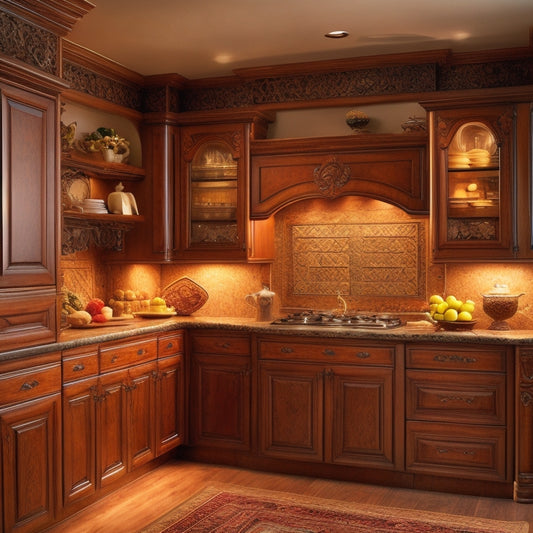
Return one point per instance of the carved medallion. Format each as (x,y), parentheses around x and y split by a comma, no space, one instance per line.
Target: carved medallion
(331,177)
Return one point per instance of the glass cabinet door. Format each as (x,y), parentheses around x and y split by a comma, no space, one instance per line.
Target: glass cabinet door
(473,198)
(473,201)
(213,196)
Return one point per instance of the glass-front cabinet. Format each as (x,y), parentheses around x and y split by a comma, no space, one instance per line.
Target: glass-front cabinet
(473,183)
(214,206)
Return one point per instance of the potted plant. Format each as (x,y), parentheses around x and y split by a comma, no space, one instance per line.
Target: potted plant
(114,149)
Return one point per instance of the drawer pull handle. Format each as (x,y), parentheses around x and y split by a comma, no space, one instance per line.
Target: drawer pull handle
(454,358)
(328,351)
(170,345)
(362,355)
(29,385)
(140,351)
(78,367)
(464,399)
(114,359)
(287,349)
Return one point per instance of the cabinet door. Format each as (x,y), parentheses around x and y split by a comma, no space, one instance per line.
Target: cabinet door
(220,401)
(359,416)
(291,406)
(31,463)
(79,440)
(215,163)
(169,404)
(28,188)
(111,433)
(473,183)
(140,396)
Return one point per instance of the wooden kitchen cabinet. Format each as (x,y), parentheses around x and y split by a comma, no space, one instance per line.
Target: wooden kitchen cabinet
(329,402)
(30,428)
(28,236)
(475,182)
(123,406)
(460,411)
(220,394)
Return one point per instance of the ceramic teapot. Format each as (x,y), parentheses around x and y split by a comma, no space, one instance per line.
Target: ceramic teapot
(263,301)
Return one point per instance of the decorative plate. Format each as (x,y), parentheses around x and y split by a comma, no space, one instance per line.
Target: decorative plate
(185,295)
(459,325)
(148,314)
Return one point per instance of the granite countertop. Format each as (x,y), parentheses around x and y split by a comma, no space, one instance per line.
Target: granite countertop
(417,332)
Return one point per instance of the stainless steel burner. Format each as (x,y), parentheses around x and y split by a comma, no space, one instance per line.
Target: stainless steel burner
(317,318)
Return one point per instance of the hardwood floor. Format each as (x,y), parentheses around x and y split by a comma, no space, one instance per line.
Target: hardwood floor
(136,505)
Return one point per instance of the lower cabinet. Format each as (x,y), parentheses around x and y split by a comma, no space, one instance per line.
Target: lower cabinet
(123,405)
(30,429)
(329,402)
(220,396)
(460,411)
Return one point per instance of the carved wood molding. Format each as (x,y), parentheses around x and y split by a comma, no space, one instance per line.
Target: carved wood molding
(331,176)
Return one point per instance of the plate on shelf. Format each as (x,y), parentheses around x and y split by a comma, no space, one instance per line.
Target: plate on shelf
(185,295)
(458,325)
(153,314)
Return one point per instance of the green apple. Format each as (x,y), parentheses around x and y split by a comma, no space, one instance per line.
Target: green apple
(464,316)
(450,315)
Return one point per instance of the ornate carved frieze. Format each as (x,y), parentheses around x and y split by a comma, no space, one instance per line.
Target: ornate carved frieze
(79,235)
(331,176)
(485,75)
(95,84)
(28,43)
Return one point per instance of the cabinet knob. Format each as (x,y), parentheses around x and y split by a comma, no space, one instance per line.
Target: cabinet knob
(286,349)
(329,352)
(362,355)
(78,368)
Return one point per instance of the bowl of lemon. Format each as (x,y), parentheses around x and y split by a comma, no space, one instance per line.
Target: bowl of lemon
(451,314)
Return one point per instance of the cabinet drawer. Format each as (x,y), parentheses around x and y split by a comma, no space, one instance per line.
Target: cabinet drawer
(327,351)
(80,363)
(458,451)
(221,344)
(456,358)
(169,344)
(456,397)
(119,355)
(29,383)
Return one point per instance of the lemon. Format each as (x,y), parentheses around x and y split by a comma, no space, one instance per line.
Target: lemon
(453,302)
(464,316)
(450,315)
(438,316)
(468,306)
(436,299)
(441,309)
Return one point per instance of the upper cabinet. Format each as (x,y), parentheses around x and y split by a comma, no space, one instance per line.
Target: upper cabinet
(474,162)
(214,178)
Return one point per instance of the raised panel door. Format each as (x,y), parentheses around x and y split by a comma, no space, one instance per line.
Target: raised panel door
(79,440)
(291,407)
(220,401)
(359,416)
(31,463)
(28,188)
(169,404)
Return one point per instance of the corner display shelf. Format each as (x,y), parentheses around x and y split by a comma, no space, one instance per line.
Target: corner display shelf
(80,230)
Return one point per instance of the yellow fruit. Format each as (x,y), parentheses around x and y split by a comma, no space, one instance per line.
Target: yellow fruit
(468,307)
(442,307)
(450,315)
(453,302)
(464,316)
(436,299)
(433,308)
(438,316)
(157,301)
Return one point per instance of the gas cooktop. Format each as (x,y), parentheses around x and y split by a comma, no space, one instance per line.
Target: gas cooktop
(322,318)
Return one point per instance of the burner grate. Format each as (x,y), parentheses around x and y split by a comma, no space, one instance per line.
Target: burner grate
(315,318)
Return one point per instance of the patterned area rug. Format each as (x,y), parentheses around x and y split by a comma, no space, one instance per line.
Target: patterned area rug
(241,510)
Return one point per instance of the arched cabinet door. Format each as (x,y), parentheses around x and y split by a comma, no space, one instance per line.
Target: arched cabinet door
(474,194)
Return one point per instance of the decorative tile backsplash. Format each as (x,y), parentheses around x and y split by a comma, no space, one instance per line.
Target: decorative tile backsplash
(372,253)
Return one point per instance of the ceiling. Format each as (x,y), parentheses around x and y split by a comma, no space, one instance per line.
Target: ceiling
(210,38)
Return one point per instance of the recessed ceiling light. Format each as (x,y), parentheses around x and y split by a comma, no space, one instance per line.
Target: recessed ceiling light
(337,34)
